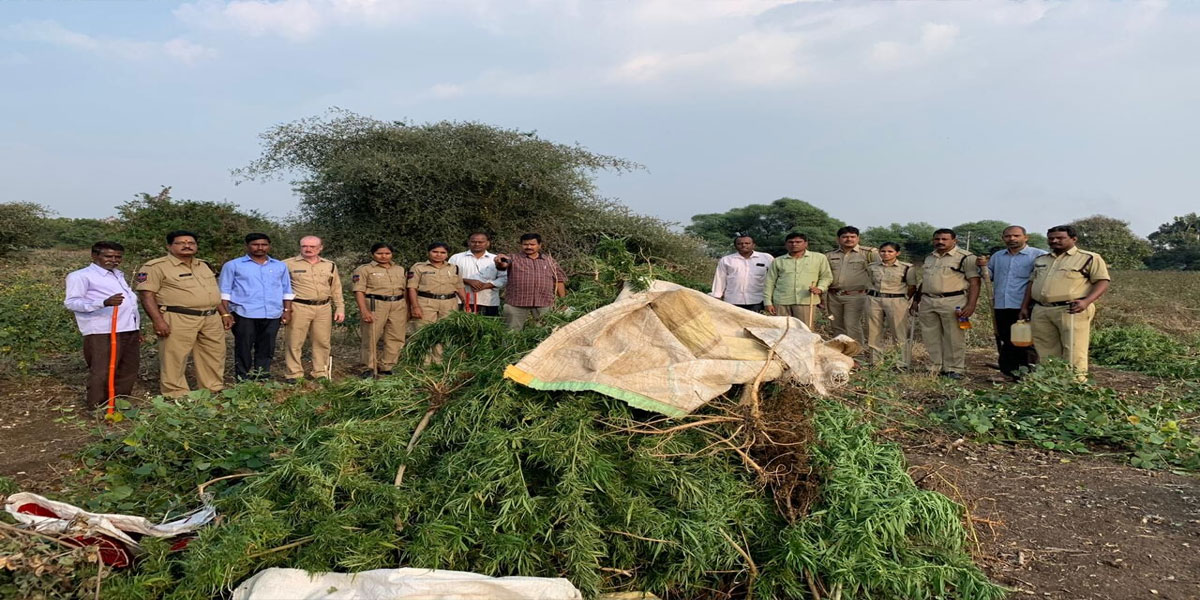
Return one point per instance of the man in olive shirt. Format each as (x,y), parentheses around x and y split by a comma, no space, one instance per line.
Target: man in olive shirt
(796,280)
(1061,294)
(949,290)
(848,292)
(181,297)
(316,284)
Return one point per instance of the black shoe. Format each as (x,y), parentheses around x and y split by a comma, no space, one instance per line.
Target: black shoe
(367,375)
(289,380)
(385,372)
(953,375)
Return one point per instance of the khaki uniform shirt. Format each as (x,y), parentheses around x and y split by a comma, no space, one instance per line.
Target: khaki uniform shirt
(892,279)
(442,280)
(1068,276)
(372,278)
(176,283)
(850,269)
(949,272)
(318,281)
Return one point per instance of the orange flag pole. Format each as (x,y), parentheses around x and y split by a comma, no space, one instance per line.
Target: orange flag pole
(112,365)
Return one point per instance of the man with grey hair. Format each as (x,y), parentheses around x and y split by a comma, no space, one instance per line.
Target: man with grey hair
(316,284)
(1010,270)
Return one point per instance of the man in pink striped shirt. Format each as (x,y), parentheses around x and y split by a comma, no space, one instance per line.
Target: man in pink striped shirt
(93,293)
(534,280)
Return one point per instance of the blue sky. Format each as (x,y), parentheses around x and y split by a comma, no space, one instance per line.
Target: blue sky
(1035,113)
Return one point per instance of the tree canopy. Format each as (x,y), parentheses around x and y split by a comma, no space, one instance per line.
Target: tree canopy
(221,227)
(768,224)
(19,224)
(363,181)
(1176,244)
(1113,240)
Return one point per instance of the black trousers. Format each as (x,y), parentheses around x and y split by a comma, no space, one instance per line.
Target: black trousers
(253,346)
(96,354)
(751,307)
(1011,357)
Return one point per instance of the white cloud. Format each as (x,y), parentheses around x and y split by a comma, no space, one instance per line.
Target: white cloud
(51,32)
(291,19)
(936,39)
(756,59)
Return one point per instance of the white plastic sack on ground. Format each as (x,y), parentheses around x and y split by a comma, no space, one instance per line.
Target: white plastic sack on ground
(400,584)
(73,520)
(670,349)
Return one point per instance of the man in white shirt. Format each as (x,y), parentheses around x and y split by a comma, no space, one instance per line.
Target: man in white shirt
(741,276)
(93,293)
(483,281)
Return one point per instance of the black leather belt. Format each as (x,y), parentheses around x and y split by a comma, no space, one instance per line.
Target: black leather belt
(384,298)
(311,302)
(1053,304)
(882,295)
(434,296)
(946,295)
(838,292)
(189,311)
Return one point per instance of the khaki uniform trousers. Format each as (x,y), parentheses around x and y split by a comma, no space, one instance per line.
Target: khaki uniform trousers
(848,313)
(314,320)
(883,314)
(391,322)
(945,342)
(1059,333)
(204,339)
(434,310)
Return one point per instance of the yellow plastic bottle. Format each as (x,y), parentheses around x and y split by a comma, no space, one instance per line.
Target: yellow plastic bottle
(1021,334)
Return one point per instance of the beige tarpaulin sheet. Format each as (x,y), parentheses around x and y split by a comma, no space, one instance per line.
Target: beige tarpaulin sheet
(670,349)
(400,584)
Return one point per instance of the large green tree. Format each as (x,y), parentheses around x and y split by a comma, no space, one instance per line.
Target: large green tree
(768,224)
(221,227)
(1176,244)
(363,181)
(19,225)
(915,239)
(1113,240)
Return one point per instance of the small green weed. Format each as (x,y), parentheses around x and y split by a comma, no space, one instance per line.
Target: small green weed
(1049,408)
(33,322)
(1147,350)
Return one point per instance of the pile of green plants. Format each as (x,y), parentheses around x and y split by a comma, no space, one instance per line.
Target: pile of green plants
(1147,350)
(450,466)
(1051,409)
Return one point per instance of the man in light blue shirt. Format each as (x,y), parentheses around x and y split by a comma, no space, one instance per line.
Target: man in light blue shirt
(1009,271)
(257,289)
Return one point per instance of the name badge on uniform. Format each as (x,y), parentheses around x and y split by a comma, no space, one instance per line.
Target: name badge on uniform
(185,274)
(300,271)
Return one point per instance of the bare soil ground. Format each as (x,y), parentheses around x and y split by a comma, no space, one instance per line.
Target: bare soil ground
(1048,525)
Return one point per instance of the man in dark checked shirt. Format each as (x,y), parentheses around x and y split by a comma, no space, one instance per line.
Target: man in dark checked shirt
(534,279)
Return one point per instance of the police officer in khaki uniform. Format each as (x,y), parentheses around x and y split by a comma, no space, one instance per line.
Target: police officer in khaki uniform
(316,283)
(435,287)
(379,292)
(893,282)
(181,297)
(851,279)
(1061,295)
(949,290)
